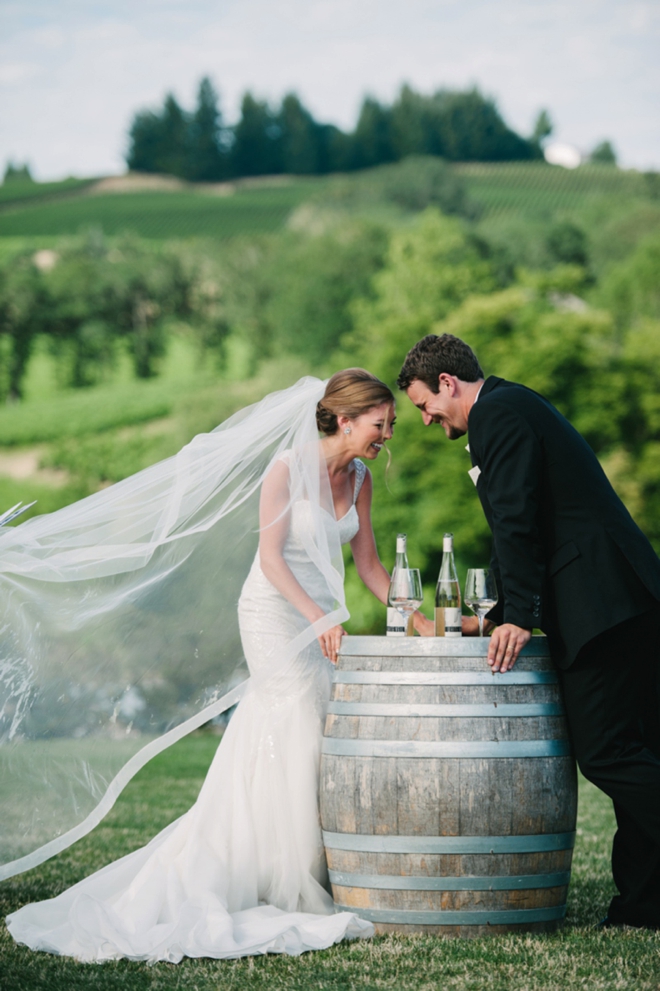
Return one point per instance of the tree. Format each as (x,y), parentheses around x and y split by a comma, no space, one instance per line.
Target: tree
(207,159)
(409,131)
(543,128)
(631,289)
(24,313)
(257,140)
(298,138)
(568,244)
(20,172)
(317,280)
(603,154)
(469,128)
(173,152)
(158,141)
(372,138)
(461,126)
(82,334)
(420,181)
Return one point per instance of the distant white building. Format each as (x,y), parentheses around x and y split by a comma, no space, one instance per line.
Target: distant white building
(567,156)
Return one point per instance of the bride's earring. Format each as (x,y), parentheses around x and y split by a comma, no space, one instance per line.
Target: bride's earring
(347,430)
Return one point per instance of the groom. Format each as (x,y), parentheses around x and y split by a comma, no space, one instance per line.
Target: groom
(569,560)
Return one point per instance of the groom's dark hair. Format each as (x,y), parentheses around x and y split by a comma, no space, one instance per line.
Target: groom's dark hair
(433,355)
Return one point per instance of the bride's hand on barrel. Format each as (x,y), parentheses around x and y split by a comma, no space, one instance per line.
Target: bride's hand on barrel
(505,644)
(330,642)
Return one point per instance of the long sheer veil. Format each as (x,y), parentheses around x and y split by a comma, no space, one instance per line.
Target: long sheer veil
(118,618)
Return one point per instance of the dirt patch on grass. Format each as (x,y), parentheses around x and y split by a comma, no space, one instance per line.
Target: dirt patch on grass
(25,465)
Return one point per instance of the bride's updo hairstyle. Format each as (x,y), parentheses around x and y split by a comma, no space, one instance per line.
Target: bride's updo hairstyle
(350,393)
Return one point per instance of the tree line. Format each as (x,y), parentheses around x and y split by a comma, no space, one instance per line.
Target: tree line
(198,146)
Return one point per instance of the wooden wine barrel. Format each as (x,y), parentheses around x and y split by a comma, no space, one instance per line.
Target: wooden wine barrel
(448,794)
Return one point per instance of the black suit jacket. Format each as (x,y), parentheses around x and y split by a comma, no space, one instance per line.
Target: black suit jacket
(568,556)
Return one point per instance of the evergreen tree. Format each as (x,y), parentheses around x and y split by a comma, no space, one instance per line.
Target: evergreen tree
(459,126)
(207,159)
(15,171)
(335,149)
(173,153)
(158,141)
(298,138)
(470,128)
(542,128)
(145,140)
(257,140)
(408,126)
(372,140)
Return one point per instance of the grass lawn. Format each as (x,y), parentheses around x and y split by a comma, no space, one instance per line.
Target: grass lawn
(577,957)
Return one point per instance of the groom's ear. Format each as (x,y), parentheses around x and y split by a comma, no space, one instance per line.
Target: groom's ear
(449,381)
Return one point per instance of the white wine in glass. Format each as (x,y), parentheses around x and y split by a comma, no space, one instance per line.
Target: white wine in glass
(480,593)
(405,592)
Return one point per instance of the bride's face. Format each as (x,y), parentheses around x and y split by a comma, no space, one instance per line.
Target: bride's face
(370,431)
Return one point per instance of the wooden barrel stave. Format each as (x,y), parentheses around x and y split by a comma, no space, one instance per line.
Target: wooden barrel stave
(483,795)
(429,728)
(450,865)
(443,797)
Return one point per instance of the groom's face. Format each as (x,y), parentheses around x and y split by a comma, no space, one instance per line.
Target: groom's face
(438,407)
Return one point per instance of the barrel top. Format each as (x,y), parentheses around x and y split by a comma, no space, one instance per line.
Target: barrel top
(431,647)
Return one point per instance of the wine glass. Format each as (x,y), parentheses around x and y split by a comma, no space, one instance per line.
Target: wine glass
(480,593)
(405,592)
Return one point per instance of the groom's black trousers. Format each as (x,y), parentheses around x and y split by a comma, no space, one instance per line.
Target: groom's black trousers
(612,698)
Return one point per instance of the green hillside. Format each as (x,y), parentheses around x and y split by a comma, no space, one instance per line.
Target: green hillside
(21,191)
(180,213)
(533,190)
(538,190)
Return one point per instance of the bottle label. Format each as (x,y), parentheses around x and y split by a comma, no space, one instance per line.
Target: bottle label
(396,626)
(448,622)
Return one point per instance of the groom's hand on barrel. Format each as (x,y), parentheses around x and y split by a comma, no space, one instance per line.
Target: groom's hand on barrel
(424,626)
(506,642)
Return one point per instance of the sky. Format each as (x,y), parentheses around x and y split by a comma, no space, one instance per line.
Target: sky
(73,72)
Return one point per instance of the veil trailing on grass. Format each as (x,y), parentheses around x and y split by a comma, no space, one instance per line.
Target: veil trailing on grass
(118,618)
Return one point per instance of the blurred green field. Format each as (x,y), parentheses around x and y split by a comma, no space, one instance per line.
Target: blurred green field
(532,189)
(23,190)
(162,214)
(538,190)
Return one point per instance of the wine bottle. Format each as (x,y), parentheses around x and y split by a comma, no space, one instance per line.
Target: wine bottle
(448,594)
(396,624)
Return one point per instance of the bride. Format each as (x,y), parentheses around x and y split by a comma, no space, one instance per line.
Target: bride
(243,871)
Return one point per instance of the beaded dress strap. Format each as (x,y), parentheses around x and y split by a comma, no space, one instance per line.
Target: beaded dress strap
(360,472)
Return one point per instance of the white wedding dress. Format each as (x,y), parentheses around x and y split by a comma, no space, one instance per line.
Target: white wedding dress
(243,871)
